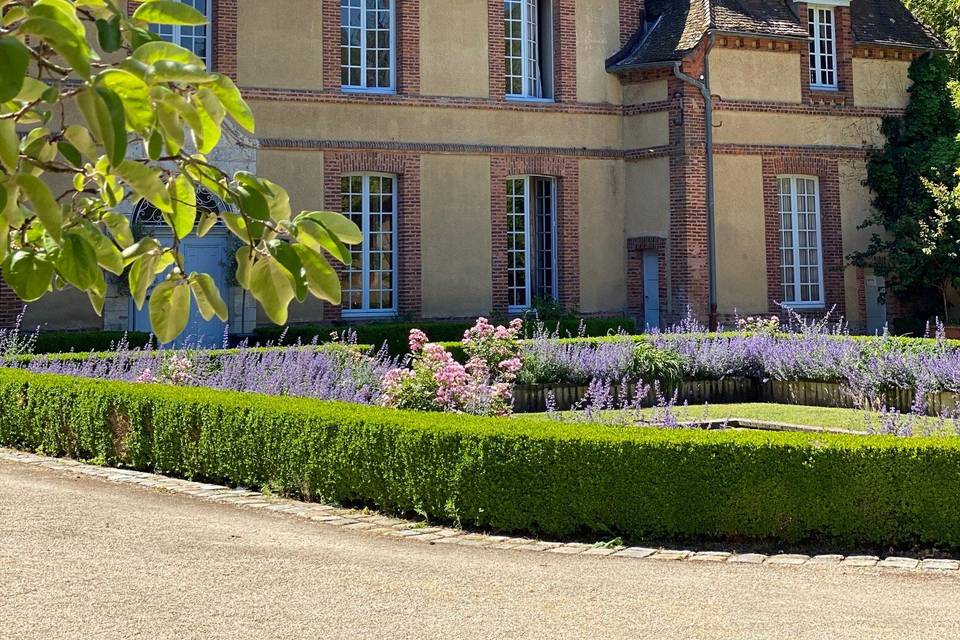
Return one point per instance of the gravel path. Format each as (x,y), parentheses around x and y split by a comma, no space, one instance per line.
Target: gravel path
(81,558)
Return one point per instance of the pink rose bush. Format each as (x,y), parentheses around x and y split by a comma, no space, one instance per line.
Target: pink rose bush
(436,382)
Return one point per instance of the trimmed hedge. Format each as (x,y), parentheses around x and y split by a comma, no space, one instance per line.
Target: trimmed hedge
(395,334)
(86,341)
(517,475)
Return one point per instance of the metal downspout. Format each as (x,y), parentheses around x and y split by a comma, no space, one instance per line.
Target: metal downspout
(704,87)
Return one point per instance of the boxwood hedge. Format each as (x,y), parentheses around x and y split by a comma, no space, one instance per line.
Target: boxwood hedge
(518,475)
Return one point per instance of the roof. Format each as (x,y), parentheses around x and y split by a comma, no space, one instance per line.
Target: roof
(675,27)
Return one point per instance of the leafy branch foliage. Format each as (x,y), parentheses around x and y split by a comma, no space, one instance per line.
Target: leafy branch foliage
(136,123)
(914,180)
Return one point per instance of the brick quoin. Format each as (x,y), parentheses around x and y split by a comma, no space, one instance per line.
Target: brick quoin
(564,50)
(407,46)
(406,167)
(224,37)
(688,255)
(789,162)
(10,307)
(566,171)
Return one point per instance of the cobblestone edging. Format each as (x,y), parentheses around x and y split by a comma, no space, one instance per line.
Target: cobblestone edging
(375,524)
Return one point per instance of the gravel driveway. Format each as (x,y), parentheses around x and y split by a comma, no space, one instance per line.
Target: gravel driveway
(80,558)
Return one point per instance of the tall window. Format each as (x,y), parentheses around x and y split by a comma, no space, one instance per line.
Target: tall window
(823,48)
(528,47)
(369,283)
(195,39)
(367,45)
(800,247)
(531,240)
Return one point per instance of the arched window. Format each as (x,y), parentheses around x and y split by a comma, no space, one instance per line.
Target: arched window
(207,202)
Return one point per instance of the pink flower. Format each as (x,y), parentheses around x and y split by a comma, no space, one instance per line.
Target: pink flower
(417,339)
(513,365)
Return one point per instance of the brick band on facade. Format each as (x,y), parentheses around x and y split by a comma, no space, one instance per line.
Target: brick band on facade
(406,168)
(566,171)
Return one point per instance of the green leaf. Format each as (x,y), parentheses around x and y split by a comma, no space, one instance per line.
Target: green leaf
(286,256)
(119,226)
(118,121)
(103,112)
(318,238)
(338,225)
(169,12)
(278,200)
(172,71)
(108,256)
(63,40)
(146,182)
(77,263)
(70,153)
(171,126)
(253,203)
(108,34)
(44,204)
(28,275)
(207,222)
(80,138)
(272,285)
(14,60)
(244,265)
(155,51)
(321,278)
(169,309)
(32,90)
(9,145)
(232,100)
(134,94)
(183,200)
(141,276)
(155,145)
(208,297)
(210,128)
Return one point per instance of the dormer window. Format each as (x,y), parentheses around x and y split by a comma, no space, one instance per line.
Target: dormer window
(823,47)
(528,48)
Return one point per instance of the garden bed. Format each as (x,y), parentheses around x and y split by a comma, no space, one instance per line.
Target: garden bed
(514,475)
(563,397)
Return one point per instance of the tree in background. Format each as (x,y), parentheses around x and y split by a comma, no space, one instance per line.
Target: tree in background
(146,120)
(914,179)
(943,16)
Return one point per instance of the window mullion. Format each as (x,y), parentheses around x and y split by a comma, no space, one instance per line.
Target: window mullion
(365,259)
(529,224)
(524,48)
(795,224)
(363,47)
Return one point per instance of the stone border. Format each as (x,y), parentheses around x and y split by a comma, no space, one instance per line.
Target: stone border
(384,526)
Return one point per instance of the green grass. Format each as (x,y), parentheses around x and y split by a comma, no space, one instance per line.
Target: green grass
(823,417)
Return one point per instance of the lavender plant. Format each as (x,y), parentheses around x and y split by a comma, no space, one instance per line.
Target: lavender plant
(333,372)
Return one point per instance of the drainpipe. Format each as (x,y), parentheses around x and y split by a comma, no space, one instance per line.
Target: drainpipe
(703,86)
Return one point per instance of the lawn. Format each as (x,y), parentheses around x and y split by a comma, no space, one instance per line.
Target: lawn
(824,417)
